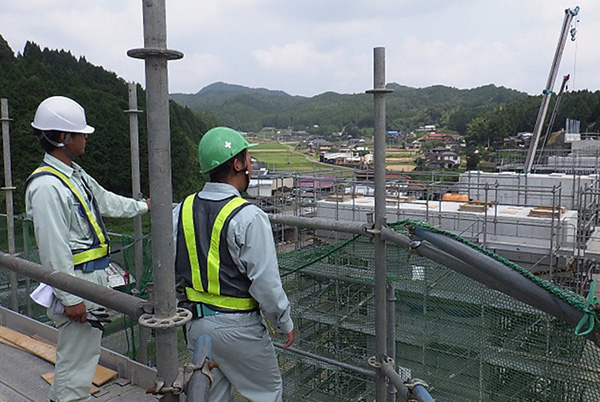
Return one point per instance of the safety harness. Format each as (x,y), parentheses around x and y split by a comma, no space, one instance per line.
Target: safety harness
(96,256)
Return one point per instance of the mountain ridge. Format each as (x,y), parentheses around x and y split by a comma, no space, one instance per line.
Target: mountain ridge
(250,109)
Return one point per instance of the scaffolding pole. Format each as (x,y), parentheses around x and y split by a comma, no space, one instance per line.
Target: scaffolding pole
(379,91)
(8,188)
(156,55)
(111,298)
(136,190)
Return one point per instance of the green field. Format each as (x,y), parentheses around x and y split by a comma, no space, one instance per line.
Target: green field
(281,157)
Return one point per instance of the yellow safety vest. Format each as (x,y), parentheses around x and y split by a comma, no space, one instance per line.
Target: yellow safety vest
(100,247)
(209,290)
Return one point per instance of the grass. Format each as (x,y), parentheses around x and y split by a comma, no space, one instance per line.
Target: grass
(280,157)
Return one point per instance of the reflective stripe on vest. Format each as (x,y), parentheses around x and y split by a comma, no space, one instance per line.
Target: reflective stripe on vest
(211,295)
(99,251)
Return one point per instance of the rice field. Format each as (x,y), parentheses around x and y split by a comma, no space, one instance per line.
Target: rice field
(283,157)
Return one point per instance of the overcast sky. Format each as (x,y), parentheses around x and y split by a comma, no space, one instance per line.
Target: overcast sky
(307,47)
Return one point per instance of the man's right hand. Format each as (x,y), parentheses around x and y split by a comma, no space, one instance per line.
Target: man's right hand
(76,312)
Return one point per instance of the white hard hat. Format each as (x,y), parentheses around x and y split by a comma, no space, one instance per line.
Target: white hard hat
(59,113)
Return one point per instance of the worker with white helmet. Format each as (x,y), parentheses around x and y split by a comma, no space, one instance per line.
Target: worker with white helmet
(66,206)
(226,259)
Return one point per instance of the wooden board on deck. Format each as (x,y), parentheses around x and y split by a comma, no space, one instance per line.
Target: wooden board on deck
(48,352)
(49,378)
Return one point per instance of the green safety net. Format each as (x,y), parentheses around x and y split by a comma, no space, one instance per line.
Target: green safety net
(468,342)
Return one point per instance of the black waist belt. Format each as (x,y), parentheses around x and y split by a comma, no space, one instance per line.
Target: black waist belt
(94,265)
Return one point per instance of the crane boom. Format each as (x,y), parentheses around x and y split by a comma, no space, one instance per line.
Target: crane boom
(547,92)
(554,112)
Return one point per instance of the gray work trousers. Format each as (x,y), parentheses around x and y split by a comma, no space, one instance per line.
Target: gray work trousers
(77,354)
(245,354)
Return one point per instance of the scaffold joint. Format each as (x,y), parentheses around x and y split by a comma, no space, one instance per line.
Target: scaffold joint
(160,388)
(373,362)
(181,317)
(206,368)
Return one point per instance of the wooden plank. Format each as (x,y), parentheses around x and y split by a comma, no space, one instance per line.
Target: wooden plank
(9,343)
(103,375)
(38,348)
(49,378)
(48,352)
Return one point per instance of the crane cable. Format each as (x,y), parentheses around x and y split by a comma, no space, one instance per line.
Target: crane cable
(573,33)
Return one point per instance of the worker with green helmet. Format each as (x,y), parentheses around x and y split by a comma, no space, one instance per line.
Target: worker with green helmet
(227,266)
(66,206)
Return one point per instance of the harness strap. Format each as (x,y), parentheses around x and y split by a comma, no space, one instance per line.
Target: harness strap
(80,257)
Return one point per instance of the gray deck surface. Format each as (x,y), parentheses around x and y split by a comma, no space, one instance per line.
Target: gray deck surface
(20,380)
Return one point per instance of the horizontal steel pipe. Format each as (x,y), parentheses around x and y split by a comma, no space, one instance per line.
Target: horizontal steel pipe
(113,299)
(320,223)
(346,366)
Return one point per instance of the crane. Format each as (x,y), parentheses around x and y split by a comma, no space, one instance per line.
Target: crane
(563,87)
(547,92)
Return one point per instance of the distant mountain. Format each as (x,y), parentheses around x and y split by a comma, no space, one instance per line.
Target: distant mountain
(220,92)
(223,87)
(250,109)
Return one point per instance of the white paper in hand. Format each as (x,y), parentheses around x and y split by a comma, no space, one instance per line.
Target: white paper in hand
(43,295)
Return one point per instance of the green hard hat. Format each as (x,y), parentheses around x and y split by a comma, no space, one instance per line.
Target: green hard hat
(218,145)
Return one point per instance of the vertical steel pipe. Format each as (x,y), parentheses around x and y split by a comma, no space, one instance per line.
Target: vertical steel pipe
(379,91)
(25,255)
(156,55)
(391,334)
(136,190)
(8,188)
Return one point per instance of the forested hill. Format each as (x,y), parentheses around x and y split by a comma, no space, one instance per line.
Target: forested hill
(251,109)
(485,115)
(28,78)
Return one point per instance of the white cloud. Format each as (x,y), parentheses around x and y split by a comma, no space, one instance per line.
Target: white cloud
(198,71)
(310,47)
(297,56)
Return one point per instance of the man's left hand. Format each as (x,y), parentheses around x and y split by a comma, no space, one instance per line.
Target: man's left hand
(290,338)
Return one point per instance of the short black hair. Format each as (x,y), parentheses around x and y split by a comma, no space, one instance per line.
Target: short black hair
(221,172)
(53,135)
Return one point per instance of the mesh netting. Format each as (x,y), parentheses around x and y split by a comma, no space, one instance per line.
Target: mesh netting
(468,342)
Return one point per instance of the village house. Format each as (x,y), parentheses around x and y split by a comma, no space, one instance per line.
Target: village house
(442,158)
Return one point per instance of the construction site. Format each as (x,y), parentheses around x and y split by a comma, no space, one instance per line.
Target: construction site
(474,286)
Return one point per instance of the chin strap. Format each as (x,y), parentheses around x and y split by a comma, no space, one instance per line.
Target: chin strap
(57,144)
(60,144)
